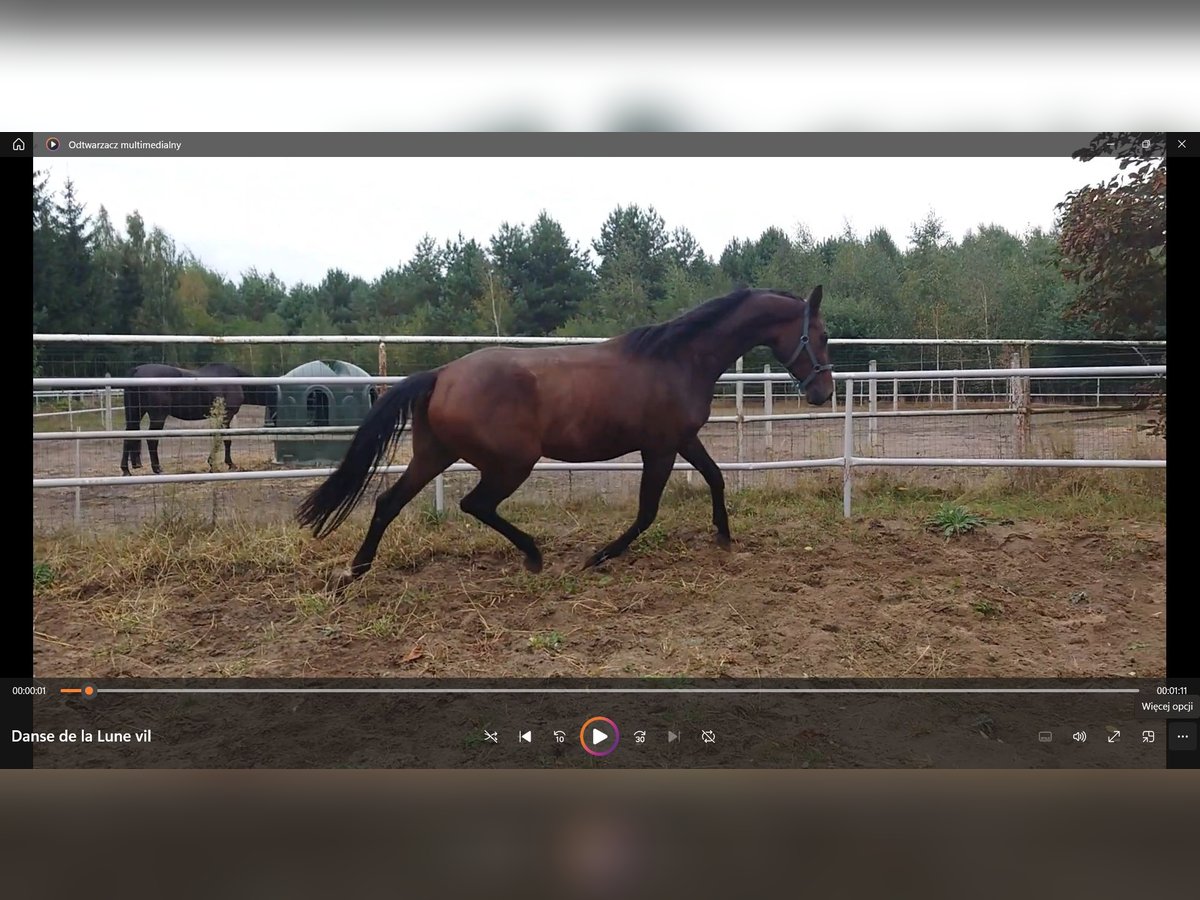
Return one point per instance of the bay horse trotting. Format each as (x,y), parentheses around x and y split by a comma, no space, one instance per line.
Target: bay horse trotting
(189,402)
(502,409)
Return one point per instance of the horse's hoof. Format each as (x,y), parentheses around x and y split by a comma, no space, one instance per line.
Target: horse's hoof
(724,541)
(595,559)
(157,470)
(341,580)
(125,472)
(533,564)
(231,467)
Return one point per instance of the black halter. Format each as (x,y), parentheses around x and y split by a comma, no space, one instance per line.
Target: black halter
(804,344)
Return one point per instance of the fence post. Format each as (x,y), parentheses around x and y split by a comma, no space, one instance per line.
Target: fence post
(873,406)
(108,420)
(1097,393)
(439,493)
(382,368)
(70,413)
(954,394)
(768,409)
(833,397)
(1019,393)
(78,491)
(895,394)
(738,393)
(848,449)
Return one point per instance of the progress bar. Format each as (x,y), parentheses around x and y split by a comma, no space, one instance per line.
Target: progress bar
(551,690)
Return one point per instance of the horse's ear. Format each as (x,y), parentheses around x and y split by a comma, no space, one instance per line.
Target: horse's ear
(814,299)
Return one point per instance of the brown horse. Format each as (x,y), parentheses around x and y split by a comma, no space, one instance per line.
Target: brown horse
(502,409)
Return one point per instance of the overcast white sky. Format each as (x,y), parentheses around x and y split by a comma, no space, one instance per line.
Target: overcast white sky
(301,217)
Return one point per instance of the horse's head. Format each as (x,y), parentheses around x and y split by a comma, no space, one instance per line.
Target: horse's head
(802,346)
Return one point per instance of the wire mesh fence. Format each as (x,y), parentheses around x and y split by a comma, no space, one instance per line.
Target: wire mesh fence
(1094,417)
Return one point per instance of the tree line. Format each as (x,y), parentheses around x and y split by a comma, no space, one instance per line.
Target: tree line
(95,276)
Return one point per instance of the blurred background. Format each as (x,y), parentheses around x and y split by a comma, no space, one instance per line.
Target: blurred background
(747,66)
(618,66)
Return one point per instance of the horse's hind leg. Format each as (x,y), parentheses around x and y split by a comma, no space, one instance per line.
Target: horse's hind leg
(429,460)
(131,453)
(155,425)
(656,469)
(495,486)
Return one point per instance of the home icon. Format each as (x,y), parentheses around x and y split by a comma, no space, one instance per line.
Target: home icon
(18,145)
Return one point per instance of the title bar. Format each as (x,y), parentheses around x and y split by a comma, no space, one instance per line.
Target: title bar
(560,144)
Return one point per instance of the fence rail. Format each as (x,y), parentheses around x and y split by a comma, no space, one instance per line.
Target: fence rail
(894,375)
(1018,378)
(49,338)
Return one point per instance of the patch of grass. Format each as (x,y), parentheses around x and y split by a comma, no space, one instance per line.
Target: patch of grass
(653,537)
(987,608)
(679,493)
(552,641)
(43,575)
(311,604)
(383,626)
(569,583)
(431,518)
(952,520)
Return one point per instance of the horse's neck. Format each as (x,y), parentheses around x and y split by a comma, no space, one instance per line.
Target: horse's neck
(750,326)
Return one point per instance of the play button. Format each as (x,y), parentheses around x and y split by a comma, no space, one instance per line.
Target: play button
(599,736)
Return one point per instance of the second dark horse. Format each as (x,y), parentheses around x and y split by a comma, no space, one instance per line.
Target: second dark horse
(189,402)
(502,409)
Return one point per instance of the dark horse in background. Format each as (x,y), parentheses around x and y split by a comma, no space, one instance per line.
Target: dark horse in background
(189,402)
(502,409)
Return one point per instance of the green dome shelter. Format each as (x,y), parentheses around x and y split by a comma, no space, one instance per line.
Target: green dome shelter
(319,404)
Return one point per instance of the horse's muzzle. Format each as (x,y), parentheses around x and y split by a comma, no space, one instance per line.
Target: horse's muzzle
(818,398)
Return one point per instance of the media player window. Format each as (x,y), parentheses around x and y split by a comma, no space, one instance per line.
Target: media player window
(599,450)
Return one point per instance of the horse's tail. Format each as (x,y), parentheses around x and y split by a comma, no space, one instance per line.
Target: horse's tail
(327,506)
(133,422)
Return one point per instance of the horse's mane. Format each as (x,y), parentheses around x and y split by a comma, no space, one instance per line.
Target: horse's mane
(665,338)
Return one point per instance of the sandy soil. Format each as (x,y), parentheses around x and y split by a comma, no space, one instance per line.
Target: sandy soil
(801,594)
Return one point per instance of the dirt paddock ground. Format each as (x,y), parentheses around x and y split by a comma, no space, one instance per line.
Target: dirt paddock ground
(1065,578)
